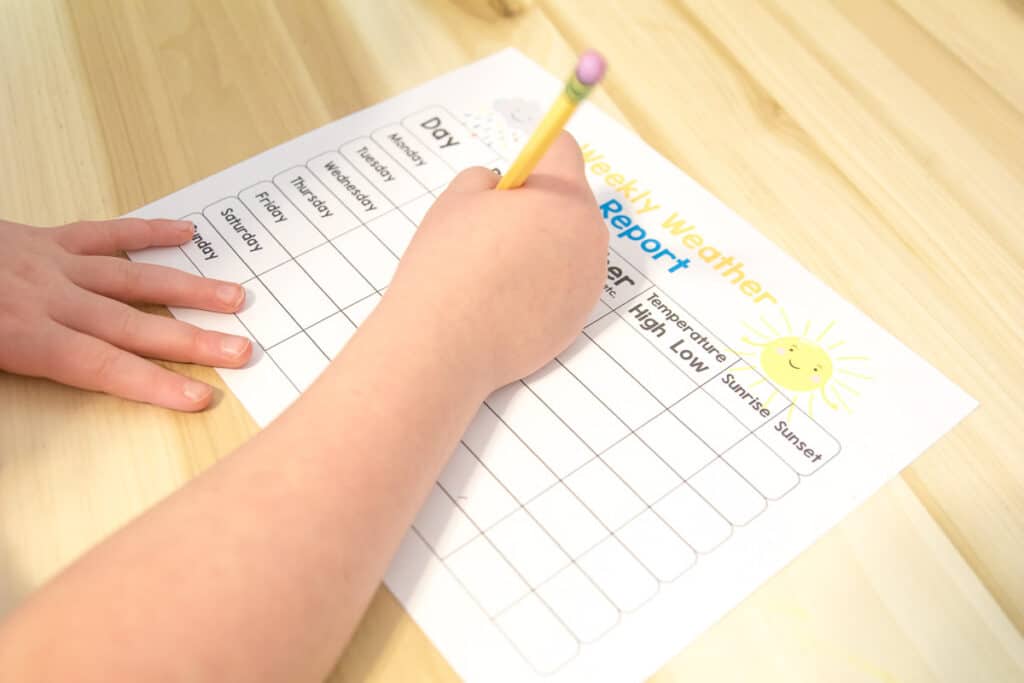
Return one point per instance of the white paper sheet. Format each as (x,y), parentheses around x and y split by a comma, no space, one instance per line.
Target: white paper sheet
(722,409)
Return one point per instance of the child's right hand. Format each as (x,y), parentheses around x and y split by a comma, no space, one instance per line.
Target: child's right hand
(503,280)
(61,314)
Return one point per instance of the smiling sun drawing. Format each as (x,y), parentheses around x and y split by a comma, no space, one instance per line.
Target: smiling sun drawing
(804,366)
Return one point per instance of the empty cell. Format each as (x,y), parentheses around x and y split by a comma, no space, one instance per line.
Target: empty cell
(641,469)
(710,421)
(335,275)
(394,230)
(506,456)
(211,254)
(417,209)
(604,493)
(474,489)
(576,406)
(361,310)
(264,317)
(332,334)
(657,546)
(300,359)
(486,575)
(693,519)
(371,258)
(527,547)
(678,446)
(570,524)
(539,636)
(547,436)
(413,156)
(315,202)
(618,574)
(636,355)
(297,292)
(728,493)
(245,235)
(762,468)
(291,228)
(383,172)
(442,525)
(574,599)
(615,387)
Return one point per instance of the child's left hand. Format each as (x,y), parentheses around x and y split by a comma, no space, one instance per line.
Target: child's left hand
(62,316)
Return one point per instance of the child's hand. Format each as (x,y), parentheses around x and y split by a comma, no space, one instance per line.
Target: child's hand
(504,280)
(61,314)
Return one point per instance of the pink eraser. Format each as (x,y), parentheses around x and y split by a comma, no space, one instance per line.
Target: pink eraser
(591,67)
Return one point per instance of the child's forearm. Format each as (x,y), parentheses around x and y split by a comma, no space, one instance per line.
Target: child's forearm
(260,568)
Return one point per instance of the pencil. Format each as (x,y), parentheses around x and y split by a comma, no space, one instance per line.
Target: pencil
(589,71)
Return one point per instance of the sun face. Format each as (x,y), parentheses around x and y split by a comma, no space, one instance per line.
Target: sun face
(796,363)
(805,367)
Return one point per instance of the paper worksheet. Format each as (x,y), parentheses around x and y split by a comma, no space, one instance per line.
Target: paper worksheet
(721,410)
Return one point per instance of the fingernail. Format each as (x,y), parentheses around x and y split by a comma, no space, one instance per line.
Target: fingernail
(233,347)
(186,227)
(196,391)
(230,295)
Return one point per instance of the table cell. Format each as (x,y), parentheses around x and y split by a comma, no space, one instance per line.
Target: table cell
(609,381)
(570,524)
(300,359)
(506,456)
(547,436)
(346,183)
(335,275)
(747,395)
(629,349)
(604,494)
(246,235)
(486,575)
(574,599)
(394,230)
(539,636)
(711,422)
(800,441)
(299,295)
(417,209)
(278,215)
(759,465)
(414,156)
(576,406)
(693,519)
(211,255)
(368,255)
(474,489)
(361,310)
(383,172)
(679,447)
(332,334)
(641,469)
(442,525)
(618,574)
(264,317)
(727,492)
(660,549)
(316,202)
(528,548)
(445,136)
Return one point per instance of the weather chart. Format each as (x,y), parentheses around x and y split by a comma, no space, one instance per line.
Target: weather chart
(722,409)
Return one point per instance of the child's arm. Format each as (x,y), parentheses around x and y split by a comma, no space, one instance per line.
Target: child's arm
(260,569)
(62,316)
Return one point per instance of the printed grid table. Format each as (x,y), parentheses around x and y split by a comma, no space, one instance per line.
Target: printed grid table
(575,493)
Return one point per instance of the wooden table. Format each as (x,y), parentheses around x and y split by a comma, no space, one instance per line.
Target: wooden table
(880,142)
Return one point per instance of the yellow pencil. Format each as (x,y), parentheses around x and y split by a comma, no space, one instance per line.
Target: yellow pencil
(588,73)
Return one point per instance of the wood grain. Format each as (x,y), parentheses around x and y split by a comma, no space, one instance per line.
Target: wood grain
(880,142)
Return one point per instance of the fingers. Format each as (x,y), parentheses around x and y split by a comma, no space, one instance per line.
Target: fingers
(124,234)
(127,281)
(474,179)
(89,363)
(563,160)
(153,336)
